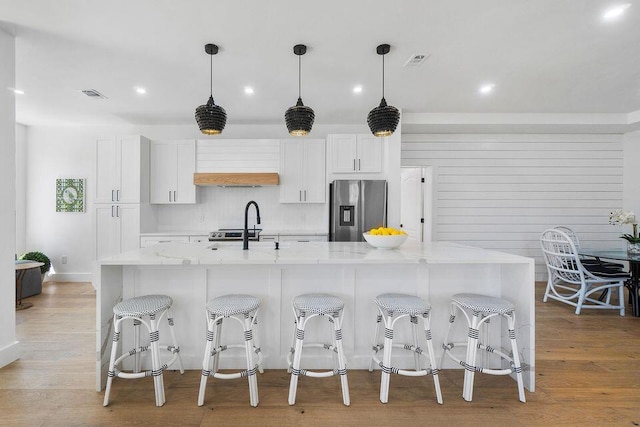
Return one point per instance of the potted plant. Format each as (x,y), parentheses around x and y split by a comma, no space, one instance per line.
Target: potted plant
(39,257)
(618,217)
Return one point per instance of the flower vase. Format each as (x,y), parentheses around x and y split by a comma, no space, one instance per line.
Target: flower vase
(633,248)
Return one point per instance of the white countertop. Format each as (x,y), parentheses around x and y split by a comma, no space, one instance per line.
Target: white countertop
(263,232)
(261,253)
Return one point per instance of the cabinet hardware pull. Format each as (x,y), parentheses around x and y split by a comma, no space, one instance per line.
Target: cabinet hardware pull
(305,195)
(169,195)
(354,164)
(112,211)
(174,195)
(118,211)
(117,195)
(359,167)
(112,191)
(300,196)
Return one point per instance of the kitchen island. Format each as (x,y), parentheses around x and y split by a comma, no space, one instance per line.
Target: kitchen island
(192,273)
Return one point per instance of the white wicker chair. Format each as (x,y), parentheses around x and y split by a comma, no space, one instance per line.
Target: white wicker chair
(569,281)
(587,262)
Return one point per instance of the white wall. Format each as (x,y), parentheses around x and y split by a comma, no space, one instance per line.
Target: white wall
(631,193)
(56,152)
(500,191)
(9,350)
(21,187)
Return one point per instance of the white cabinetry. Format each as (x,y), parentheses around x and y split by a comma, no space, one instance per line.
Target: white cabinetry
(294,237)
(302,171)
(146,241)
(122,170)
(351,153)
(117,228)
(173,164)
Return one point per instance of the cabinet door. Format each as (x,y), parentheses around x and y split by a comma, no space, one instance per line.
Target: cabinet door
(129,224)
(314,190)
(107,170)
(163,171)
(129,150)
(186,167)
(291,177)
(107,233)
(369,149)
(343,153)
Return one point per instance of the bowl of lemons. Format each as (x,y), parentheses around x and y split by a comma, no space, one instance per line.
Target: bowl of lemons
(385,237)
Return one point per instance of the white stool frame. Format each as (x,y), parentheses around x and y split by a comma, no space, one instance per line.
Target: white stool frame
(156,367)
(473,344)
(385,364)
(339,358)
(210,362)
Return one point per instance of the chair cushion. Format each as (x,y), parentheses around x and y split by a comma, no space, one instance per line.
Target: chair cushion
(232,304)
(142,306)
(606,273)
(402,303)
(318,303)
(484,303)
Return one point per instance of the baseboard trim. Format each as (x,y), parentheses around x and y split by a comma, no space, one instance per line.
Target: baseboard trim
(9,354)
(69,277)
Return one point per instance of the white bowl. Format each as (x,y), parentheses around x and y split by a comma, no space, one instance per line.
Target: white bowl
(385,242)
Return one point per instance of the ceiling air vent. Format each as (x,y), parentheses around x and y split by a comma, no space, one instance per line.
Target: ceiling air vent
(415,60)
(92,93)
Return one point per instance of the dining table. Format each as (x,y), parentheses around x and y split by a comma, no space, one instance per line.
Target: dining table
(21,268)
(633,284)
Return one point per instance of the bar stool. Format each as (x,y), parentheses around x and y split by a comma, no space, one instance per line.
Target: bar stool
(478,310)
(243,309)
(154,307)
(393,307)
(305,308)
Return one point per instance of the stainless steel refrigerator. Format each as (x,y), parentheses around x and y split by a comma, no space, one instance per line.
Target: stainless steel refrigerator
(356,206)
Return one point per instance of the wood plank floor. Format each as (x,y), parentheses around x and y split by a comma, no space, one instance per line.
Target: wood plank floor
(588,372)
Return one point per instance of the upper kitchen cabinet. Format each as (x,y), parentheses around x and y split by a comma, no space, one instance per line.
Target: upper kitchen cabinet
(302,171)
(351,153)
(173,164)
(122,170)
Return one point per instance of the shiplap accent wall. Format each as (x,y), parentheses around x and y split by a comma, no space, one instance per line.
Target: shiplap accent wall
(238,155)
(501,191)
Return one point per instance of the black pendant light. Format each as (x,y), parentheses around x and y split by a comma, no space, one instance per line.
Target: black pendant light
(299,118)
(383,119)
(211,118)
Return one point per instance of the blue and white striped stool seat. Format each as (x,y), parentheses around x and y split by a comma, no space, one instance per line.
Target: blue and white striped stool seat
(142,306)
(402,304)
(318,303)
(484,303)
(230,305)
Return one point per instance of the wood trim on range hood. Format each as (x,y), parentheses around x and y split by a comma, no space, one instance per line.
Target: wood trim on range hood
(236,179)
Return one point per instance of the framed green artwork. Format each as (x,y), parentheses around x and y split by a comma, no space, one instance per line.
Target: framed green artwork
(70,195)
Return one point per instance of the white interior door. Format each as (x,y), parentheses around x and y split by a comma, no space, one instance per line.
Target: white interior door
(411,203)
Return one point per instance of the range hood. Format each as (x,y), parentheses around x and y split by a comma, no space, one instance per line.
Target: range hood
(241,179)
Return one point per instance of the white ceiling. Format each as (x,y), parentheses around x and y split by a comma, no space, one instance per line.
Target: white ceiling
(545,56)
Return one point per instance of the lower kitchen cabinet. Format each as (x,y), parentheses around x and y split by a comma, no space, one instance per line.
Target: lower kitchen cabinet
(293,237)
(146,241)
(117,228)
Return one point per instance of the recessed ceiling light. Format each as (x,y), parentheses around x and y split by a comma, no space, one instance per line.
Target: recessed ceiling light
(18,91)
(248,90)
(487,88)
(357,89)
(615,12)
(140,90)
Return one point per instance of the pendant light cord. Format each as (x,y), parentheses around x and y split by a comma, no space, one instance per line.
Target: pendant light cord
(299,73)
(211,75)
(382,76)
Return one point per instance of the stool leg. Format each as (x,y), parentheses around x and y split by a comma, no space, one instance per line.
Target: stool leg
(375,341)
(452,318)
(470,364)
(158,382)
(414,331)
(251,368)
(297,354)
(175,342)
(206,361)
(516,357)
(332,333)
(136,345)
(256,341)
(426,321)
(386,359)
(216,345)
(114,351)
(342,362)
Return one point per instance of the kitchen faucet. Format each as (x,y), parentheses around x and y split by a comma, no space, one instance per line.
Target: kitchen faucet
(245,233)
